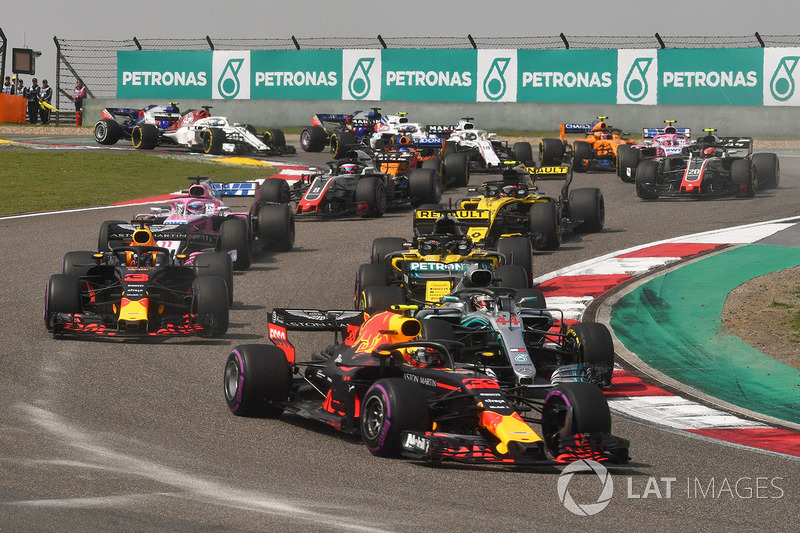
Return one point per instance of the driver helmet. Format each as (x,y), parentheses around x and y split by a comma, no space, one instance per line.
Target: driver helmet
(195,208)
(402,149)
(508,190)
(347,168)
(709,152)
(471,136)
(483,302)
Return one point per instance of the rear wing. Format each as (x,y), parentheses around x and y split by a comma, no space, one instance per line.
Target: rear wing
(282,320)
(734,146)
(440,129)
(650,133)
(245,188)
(563,129)
(424,219)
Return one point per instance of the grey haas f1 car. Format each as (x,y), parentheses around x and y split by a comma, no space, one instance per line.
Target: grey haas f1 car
(370,383)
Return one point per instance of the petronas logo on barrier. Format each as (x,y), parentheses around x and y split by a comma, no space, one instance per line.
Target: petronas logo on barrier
(494,84)
(359,84)
(635,85)
(228,84)
(782,83)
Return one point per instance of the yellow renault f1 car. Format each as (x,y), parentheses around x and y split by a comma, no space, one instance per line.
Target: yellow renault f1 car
(432,265)
(513,206)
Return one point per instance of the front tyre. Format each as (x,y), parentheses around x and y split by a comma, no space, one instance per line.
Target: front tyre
(144,137)
(587,206)
(572,408)
(768,170)
(213,139)
(390,407)
(424,187)
(646,180)
(313,139)
(255,375)
(544,225)
(234,235)
(276,226)
(210,298)
(371,191)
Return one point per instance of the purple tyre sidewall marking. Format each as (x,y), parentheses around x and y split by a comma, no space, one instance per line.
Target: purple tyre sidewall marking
(239,389)
(387,418)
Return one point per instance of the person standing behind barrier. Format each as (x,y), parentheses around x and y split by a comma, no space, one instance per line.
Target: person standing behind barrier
(20,89)
(33,101)
(78,94)
(45,95)
(8,88)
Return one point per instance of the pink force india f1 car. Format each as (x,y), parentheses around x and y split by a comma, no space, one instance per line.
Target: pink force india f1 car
(657,143)
(199,221)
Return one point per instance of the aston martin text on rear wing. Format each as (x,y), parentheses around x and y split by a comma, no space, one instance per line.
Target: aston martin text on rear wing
(470,217)
(315,319)
(161,232)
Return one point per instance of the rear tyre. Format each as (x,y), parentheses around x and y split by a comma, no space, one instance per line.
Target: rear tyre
(275,190)
(313,139)
(646,177)
(276,226)
(371,191)
(62,295)
(768,170)
(743,178)
(216,264)
(77,263)
(544,225)
(424,187)
(518,251)
(255,375)
(523,152)
(627,160)
(144,137)
(107,131)
(551,152)
(591,345)
(210,298)
(104,244)
(234,235)
(588,206)
(213,139)
(456,169)
(383,246)
(341,143)
(581,153)
(376,299)
(513,276)
(390,407)
(572,408)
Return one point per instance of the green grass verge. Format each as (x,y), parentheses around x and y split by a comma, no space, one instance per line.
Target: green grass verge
(35,181)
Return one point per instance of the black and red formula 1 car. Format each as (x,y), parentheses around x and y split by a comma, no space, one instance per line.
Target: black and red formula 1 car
(139,290)
(373,382)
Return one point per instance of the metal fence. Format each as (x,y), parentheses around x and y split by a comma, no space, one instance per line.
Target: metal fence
(95,61)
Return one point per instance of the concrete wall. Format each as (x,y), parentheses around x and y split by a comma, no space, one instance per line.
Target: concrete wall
(729,120)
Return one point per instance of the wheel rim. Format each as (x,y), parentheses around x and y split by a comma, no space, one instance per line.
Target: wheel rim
(305,139)
(100,131)
(206,142)
(232,377)
(374,418)
(554,420)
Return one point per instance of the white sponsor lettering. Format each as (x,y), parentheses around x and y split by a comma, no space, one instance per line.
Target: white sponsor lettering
(567,79)
(731,78)
(296,79)
(431,78)
(168,79)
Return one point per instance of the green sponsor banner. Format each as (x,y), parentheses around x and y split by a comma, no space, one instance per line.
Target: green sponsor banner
(296,74)
(718,76)
(163,75)
(567,76)
(429,75)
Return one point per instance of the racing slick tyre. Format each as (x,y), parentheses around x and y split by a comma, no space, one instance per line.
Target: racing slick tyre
(646,177)
(390,407)
(210,298)
(581,152)
(234,235)
(254,375)
(376,299)
(572,408)
(588,206)
(275,139)
(275,226)
(275,190)
(107,131)
(370,275)
(551,152)
(313,139)
(513,276)
(216,264)
(62,295)
(424,187)
(743,178)
(627,161)
(383,246)
(341,143)
(104,244)
(768,170)
(144,137)
(590,344)
(456,169)
(77,263)
(213,139)
(518,251)
(544,225)
(540,302)
(523,152)
(371,191)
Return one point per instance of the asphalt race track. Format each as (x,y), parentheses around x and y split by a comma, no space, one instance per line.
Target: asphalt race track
(123,436)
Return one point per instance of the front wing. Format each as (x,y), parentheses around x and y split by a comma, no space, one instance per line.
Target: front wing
(81,324)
